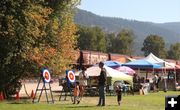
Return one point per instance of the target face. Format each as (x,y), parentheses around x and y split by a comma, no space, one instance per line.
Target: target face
(46,76)
(71,76)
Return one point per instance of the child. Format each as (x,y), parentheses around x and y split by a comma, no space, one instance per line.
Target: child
(76,93)
(119,94)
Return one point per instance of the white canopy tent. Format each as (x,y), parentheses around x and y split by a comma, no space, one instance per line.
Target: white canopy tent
(153,59)
(114,74)
(165,66)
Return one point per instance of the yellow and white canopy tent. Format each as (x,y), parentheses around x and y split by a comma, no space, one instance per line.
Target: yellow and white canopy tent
(113,74)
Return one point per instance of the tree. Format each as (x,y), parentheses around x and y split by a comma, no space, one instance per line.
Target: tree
(174,51)
(110,40)
(34,34)
(17,37)
(122,43)
(154,44)
(91,38)
(64,29)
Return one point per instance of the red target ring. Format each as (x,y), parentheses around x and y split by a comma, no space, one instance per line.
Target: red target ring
(46,76)
(71,76)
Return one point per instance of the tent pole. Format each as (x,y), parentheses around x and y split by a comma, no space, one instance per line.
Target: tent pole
(164,73)
(175,77)
(138,71)
(146,74)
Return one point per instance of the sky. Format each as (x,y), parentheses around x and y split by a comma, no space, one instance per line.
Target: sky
(157,11)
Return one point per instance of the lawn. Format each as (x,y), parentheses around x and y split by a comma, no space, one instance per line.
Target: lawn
(152,101)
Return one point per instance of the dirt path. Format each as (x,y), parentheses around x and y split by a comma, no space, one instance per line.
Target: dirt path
(29,86)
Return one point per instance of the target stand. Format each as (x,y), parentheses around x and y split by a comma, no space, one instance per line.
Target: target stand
(45,78)
(67,87)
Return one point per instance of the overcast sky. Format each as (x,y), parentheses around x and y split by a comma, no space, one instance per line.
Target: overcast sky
(158,11)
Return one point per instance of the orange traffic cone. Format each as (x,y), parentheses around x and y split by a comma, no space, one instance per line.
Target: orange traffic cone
(32,94)
(1,96)
(17,96)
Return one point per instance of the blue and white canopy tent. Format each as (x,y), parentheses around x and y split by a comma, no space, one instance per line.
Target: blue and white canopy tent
(142,64)
(112,64)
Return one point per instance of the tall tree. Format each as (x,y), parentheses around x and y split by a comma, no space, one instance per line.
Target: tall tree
(110,40)
(123,42)
(64,29)
(154,44)
(91,38)
(34,34)
(174,51)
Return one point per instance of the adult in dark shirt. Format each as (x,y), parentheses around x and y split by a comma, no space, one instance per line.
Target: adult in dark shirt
(101,85)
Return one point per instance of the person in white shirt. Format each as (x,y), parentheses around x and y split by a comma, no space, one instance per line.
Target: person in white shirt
(82,81)
(155,82)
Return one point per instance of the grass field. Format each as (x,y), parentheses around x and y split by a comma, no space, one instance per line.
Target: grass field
(152,101)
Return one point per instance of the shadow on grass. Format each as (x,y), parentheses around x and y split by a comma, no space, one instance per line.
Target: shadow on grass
(17,103)
(88,106)
(22,100)
(81,106)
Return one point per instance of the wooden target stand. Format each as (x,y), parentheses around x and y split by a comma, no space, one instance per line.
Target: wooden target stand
(45,78)
(70,78)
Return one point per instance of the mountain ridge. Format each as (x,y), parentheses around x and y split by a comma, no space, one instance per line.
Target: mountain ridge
(141,29)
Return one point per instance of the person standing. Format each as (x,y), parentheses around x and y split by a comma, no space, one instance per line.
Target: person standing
(155,82)
(101,85)
(76,93)
(119,94)
(82,81)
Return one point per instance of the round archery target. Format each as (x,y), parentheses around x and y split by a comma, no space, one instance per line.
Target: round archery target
(71,76)
(46,76)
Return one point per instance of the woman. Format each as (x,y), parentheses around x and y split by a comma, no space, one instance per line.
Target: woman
(82,81)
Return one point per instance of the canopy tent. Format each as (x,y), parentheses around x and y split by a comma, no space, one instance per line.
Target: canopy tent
(112,64)
(141,64)
(126,69)
(155,60)
(114,74)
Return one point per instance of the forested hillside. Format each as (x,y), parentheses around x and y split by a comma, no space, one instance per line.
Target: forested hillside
(169,31)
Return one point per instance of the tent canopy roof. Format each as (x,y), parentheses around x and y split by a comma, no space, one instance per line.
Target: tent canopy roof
(141,64)
(114,74)
(112,64)
(155,60)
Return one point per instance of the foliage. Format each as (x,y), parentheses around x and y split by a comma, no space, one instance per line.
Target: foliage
(34,34)
(154,44)
(110,40)
(122,43)
(91,38)
(174,51)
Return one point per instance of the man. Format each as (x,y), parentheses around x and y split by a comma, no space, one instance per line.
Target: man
(102,84)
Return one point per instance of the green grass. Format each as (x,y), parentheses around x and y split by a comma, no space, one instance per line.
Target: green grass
(152,101)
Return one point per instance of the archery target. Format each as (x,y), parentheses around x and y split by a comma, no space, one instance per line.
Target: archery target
(71,76)
(46,76)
